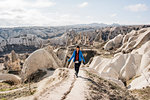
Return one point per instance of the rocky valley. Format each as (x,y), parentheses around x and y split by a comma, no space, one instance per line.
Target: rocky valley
(34,62)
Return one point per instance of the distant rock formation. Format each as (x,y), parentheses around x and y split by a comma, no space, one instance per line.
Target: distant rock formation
(13,56)
(30,39)
(108,33)
(21,43)
(73,37)
(128,42)
(12,62)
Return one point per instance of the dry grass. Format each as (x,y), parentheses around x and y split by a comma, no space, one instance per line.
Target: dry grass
(142,94)
(3,99)
(15,94)
(103,89)
(7,87)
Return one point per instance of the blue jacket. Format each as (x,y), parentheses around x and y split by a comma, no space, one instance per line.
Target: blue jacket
(74,55)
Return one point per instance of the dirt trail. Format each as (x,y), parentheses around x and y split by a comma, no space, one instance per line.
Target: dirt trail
(70,89)
(12,91)
(79,89)
(88,86)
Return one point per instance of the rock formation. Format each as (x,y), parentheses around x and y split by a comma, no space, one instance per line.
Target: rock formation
(108,33)
(114,43)
(127,66)
(40,59)
(128,42)
(12,62)
(10,77)
(13,56)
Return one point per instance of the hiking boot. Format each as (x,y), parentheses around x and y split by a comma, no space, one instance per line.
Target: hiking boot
(76,75)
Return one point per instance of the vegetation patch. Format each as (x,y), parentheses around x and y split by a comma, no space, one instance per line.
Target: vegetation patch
(143,94)
(19,91)
(7,87)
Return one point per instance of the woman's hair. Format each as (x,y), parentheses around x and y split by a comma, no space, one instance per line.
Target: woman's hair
(78,47)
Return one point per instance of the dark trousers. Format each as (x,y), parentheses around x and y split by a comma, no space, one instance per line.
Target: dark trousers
(77,66)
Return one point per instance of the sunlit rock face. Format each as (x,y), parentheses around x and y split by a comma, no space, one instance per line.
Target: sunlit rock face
(41,59)
(10,77)
(128,42)
(133,62)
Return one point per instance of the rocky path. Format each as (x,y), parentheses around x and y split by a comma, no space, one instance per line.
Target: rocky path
(78,91)
(88,86)
(70,89)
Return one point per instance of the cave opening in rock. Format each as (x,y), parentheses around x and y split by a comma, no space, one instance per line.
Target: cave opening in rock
(88,54)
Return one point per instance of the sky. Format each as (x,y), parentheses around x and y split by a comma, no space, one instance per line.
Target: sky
(69,12)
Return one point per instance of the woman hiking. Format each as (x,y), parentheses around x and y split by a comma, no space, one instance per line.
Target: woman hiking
(77,58)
